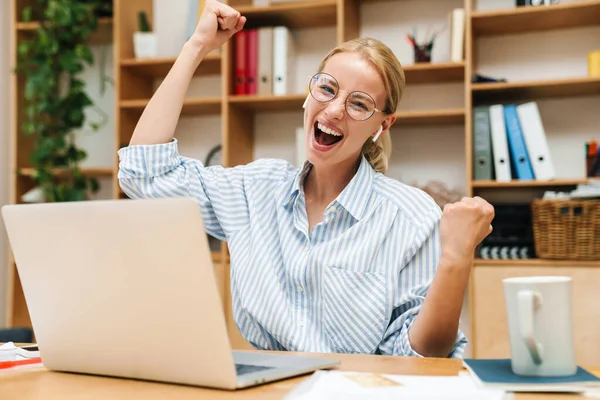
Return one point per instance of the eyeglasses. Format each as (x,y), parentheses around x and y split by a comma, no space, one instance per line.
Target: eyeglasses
(359,105)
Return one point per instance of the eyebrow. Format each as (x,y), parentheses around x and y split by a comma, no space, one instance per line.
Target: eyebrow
(331,81)
(361,95)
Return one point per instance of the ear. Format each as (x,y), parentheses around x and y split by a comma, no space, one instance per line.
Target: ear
(385,126)
(388,122)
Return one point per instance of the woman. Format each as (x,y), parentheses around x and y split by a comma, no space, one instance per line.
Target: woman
(335,256)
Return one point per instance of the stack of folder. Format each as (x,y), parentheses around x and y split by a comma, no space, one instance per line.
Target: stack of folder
(509,142)
(264,61)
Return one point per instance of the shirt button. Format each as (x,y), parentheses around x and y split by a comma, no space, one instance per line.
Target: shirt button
(333,209)
(301,324)
(300,289)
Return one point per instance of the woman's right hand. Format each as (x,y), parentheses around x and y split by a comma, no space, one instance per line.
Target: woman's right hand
(217,24)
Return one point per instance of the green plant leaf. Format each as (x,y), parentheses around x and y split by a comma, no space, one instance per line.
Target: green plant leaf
(26,14)
(50,61)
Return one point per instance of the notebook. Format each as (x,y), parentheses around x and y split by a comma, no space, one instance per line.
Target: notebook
(497,373)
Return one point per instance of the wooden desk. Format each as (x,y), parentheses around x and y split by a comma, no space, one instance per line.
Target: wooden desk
(39,383)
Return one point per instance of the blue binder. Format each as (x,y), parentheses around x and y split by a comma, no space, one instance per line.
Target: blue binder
(516,144)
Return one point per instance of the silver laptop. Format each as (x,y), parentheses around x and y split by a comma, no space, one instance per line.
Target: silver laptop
(127,288)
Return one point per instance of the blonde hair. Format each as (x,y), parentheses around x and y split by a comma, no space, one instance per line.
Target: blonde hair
(390,70)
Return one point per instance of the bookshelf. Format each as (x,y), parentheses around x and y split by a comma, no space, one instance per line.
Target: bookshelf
(240,119)
(530,19)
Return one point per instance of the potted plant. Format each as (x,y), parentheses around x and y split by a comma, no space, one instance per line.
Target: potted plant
(55,100)
(144,40)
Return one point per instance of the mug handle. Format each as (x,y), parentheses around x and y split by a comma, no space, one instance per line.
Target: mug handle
(528,302)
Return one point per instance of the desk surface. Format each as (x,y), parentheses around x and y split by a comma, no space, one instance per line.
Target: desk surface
(39,383)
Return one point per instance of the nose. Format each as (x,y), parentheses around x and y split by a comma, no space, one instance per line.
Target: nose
(335,108)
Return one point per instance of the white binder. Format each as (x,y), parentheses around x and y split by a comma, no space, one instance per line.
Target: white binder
(283,61)
(535,141)
(499,143)
(457,35)
(265,61)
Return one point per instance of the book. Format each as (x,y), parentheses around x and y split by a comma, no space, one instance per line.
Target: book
(14,357)
(497,373)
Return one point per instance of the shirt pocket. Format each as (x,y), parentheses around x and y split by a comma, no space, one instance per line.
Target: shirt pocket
(354,309)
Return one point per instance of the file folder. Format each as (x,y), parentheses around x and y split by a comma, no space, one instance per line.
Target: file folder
(482,144)
(536,141)
(516,144)
(499,144)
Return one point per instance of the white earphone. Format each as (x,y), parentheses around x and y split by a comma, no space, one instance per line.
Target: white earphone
(378,133)
(305,101)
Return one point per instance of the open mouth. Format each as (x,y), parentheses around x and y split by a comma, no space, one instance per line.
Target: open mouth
(325,136)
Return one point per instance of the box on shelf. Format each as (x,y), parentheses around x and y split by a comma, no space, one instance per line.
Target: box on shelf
(566,229)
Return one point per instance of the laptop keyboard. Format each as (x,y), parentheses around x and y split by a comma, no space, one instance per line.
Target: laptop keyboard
(242,369)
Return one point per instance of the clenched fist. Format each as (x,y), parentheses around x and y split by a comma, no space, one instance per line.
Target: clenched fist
(463,226)
(217,24)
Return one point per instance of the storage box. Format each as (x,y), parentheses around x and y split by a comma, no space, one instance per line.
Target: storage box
(566,229)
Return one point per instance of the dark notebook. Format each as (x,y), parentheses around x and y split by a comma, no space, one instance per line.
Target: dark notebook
(498,373)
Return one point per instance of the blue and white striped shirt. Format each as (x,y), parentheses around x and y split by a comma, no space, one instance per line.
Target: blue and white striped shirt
(354,283)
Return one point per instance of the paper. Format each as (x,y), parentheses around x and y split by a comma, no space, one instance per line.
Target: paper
(10,352)
(363,385)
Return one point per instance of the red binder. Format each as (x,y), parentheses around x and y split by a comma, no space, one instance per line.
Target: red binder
(241,70)
(252,63)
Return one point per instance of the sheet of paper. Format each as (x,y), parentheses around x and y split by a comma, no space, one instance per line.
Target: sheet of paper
(362,385)
(10,352)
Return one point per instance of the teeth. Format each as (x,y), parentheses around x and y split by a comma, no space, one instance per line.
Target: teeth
(327,130)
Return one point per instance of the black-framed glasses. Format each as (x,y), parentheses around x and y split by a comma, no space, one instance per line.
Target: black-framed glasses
(359,105)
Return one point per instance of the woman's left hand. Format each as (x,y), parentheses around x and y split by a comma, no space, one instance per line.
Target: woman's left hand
(463,226)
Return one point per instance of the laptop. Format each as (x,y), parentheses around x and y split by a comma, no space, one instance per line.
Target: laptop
(126,288)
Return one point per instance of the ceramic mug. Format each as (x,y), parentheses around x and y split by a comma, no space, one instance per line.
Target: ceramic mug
(540,325)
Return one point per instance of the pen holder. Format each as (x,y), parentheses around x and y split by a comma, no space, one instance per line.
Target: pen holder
(423,52)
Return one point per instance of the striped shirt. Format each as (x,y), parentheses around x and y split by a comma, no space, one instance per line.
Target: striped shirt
(354,283)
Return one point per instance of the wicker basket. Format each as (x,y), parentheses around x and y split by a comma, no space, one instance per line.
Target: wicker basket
(566,229)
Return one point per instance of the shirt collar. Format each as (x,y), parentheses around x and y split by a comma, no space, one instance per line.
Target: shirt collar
(353,198)
(297,184)
(356,194)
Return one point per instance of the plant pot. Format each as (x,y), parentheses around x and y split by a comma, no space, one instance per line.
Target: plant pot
(144,44)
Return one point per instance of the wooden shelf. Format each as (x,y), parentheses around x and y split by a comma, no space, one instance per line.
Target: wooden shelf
(434,73)
(102,36)
(191,107)
(535,262)
(431,117)
(290,102)
(513,91)
(30,26)
(530,19)
(159,67)
(525,184)
(306,14)
(86,171)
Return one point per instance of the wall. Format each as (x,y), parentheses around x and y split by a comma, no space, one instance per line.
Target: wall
(4,145)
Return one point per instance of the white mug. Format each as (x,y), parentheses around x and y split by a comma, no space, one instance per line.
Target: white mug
(540,325)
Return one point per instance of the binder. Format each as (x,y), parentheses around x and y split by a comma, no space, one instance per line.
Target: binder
(265,61)
(516,144)
(500,154)
(536,141)
(241,71)
(482,145)
(457,34)
(283,61)
(252,61)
